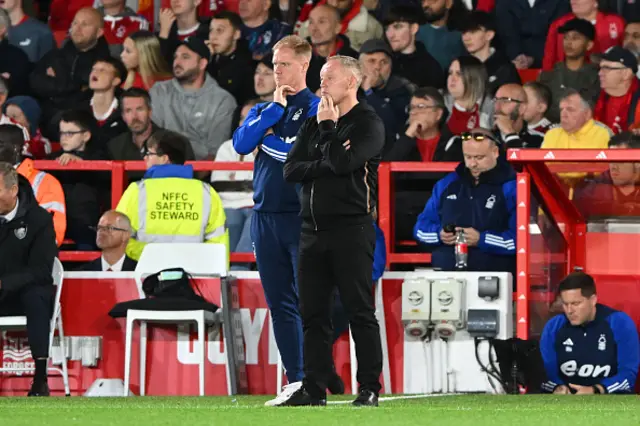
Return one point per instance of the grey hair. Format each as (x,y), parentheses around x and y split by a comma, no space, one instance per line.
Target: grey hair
(5,21)
(3,85)
(583,101)
(121,216)
(9,175)
(350,64)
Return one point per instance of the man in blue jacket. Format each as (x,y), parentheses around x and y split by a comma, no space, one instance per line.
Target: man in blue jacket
(591,348)
(275,226)
(478,198)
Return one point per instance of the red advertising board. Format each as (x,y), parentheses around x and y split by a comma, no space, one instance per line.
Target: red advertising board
(171,358)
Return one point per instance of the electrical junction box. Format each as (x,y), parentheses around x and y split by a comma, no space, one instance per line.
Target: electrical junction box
(483,322)
(440,300)
(416,299)
(447,301)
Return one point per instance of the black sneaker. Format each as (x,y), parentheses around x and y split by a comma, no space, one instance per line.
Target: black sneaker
(301,398)
(366,399)
(39,389)
(335,385)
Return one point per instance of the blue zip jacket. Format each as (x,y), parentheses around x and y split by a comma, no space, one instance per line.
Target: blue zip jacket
(271,193)
(169,170)
(489,208)
(604,351)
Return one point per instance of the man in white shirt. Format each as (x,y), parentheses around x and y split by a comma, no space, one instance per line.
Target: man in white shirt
(113,234)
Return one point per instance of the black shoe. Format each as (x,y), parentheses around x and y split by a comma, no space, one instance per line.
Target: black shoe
(301,398)
(39,389)
(366,399)
(335,385)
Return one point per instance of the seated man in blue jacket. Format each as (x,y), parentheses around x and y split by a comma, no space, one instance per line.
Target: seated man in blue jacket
(479,198)
(591,348)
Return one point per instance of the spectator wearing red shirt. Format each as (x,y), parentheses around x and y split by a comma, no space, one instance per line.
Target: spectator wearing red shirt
(609,31)
(617,191)
(25,111)
(144,61)
(119,23)
(466,102)
(618,102)
(426,139)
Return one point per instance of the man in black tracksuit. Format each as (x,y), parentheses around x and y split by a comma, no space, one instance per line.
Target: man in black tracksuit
(27,250)
(335,158)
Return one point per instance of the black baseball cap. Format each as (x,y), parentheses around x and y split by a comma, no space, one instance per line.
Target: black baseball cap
(581,26)
(376,45)
(197,46)
(618,54)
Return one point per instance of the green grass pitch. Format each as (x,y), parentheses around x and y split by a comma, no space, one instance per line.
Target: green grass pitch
(472,410)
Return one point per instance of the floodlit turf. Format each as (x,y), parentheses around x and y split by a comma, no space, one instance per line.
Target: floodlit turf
(474,410)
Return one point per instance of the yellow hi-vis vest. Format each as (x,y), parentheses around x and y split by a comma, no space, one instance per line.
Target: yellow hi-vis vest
(173,210)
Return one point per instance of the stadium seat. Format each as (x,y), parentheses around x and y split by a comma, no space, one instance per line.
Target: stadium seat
(197,259)
(529,75)
(60,36)
(20,323)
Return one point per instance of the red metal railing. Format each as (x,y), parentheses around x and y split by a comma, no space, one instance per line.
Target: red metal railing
(386,212)
(538,166)
(118,171)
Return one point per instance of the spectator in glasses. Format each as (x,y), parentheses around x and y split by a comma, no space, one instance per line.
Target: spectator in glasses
(83,191)
(478,199)
(425,139)
(510,128)
(617,106)
(113,234)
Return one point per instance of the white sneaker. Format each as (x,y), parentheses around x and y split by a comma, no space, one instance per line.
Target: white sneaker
(287,391)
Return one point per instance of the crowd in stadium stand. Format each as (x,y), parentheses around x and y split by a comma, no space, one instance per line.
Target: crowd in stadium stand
(91,80)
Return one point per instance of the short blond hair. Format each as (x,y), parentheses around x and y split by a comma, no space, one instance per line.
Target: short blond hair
(300,46)
(349,64)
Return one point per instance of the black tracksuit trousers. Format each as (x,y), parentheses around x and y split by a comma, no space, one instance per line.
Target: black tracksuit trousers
(341,258)
(36,303)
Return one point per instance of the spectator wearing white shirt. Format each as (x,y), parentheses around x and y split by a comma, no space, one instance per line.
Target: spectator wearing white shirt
(113,234)
(236,192)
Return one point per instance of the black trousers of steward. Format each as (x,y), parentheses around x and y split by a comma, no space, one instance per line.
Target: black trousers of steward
(36,303)
(343,259)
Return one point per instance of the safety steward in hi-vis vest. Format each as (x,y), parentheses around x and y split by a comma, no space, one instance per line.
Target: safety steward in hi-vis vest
(168,205)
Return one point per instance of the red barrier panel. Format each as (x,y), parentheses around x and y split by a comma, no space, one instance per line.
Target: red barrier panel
(171,360)
(386,195)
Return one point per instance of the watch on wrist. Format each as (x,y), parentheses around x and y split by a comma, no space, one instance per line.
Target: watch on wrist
(596,389)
